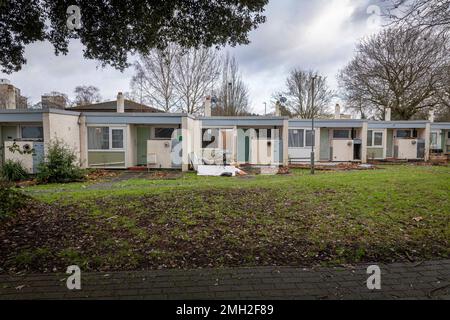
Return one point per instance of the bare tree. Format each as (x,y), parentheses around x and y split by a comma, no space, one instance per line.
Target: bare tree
(86,95)
(443,109)
(232,94)
(196,73)
(398,69)
(154,81)
(299,94)
(176,79)
(422,14)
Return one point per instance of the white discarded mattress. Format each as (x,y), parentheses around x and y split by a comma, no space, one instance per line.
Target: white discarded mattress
(216,171)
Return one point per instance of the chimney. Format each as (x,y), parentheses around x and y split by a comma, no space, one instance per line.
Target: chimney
(388,114)
(431,118)
(208,106)
(53,102)
(278,109)
(337,111)
(120,103)
(7,95)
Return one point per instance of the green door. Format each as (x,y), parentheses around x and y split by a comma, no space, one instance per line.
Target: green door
(324,145)
(247,149)
(143,134)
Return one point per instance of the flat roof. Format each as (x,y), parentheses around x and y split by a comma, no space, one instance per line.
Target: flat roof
(326,123)
(134,118)
(440,125)
(249,121)
(413,124)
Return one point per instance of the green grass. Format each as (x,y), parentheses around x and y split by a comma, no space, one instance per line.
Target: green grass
(393,214)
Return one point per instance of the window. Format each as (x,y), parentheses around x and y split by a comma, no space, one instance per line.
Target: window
(296,138)
(374,138)
(369,138)
(341,134)
(117,138)
(104,138)
(264,133)
(403,133)
(434,138)
(32,132)
(309,138)
(98,138)
(378,139)
(164,133)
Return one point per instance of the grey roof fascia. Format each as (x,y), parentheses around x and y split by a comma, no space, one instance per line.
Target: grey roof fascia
(17,115)
(398,124)
(440,126)
(133,118)
(242,121)
(324,123)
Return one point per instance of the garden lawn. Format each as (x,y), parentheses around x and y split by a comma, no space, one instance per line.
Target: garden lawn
(397,213)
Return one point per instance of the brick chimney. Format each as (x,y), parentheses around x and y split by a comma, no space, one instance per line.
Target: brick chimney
(278,109)
(431,116)
(208,106)
(337,111)
(53,102)
(120,103)
(7,95)
(388,114)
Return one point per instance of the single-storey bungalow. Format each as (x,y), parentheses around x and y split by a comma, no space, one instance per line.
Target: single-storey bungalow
(123,134)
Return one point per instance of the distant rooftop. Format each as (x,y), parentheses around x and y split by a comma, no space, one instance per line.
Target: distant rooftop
(111,106)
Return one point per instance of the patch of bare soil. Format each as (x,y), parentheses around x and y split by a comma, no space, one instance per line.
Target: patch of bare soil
(216,228)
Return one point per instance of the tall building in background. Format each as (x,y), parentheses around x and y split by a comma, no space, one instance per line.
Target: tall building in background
(10,97)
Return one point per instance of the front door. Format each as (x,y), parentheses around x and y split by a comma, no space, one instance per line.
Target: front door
(143,135)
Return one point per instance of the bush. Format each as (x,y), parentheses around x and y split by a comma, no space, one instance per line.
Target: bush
(10,200)
(13,171)
(59,165)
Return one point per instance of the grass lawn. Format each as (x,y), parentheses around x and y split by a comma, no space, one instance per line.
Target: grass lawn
(396,213)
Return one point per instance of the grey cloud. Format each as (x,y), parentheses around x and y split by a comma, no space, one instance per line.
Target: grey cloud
(319,34)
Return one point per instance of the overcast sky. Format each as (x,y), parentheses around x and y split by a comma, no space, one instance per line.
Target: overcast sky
(319,35)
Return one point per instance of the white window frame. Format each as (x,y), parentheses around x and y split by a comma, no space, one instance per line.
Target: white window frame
(111,139)
(304,138)
(110,129)
(373,139)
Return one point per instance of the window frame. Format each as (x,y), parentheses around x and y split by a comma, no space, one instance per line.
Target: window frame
(349,137)
(21,127)
(110,142)
(313,137)
(163,128)
(411,134)
(372,140)
(304,140)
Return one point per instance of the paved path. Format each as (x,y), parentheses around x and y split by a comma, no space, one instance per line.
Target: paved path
(427,280)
